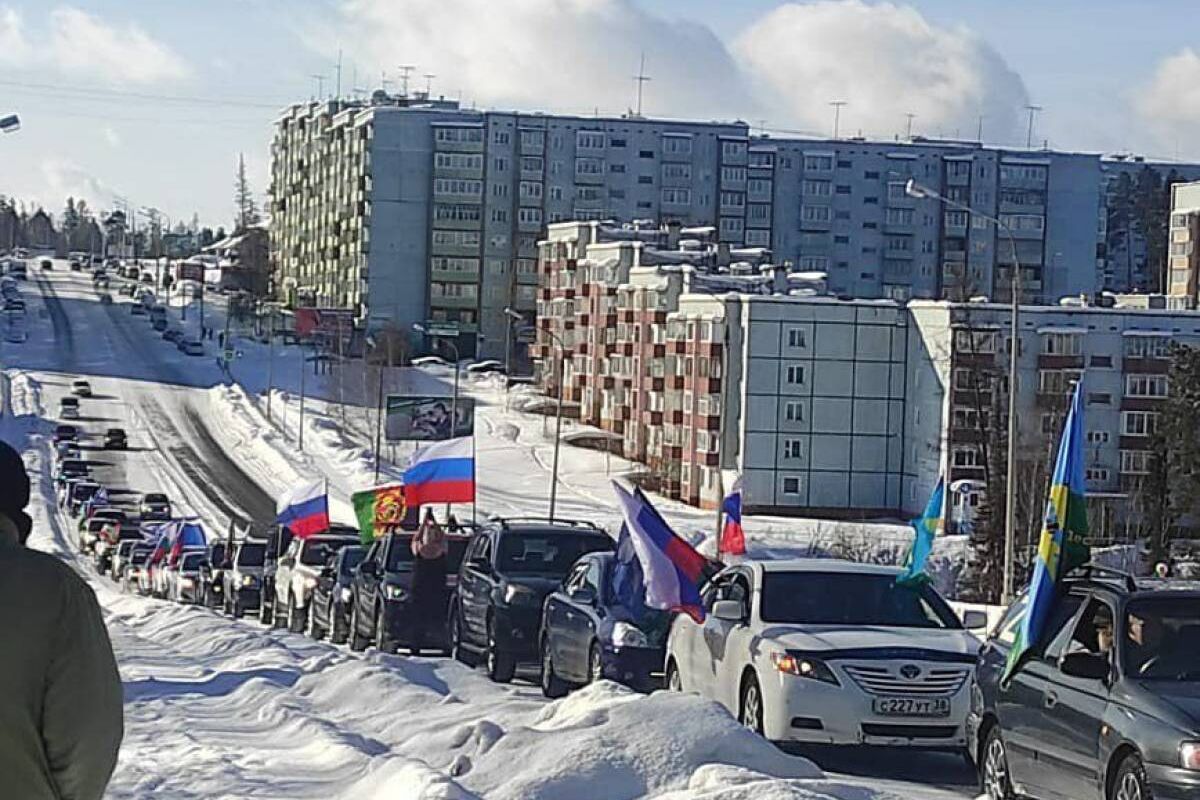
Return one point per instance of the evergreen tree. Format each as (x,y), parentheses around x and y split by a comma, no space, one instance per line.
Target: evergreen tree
(245,208)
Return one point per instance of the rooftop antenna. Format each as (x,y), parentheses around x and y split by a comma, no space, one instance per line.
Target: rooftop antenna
(1033,111)
(641,79)
(429,76)
(762,127)
(406,71)
(320,85)
(339,75)
(837,115)
(979,134)
(384,83)
(911,116)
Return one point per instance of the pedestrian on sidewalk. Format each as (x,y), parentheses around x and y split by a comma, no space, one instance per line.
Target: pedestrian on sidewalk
(429,580)
(61,719)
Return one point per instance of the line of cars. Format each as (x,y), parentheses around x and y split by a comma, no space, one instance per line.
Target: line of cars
(146,304)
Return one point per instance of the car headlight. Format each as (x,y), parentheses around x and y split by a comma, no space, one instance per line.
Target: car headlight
(310,583)
(393,592)
(520,596)
(346,595)
(626,635)
(186,583)
(804,667)
(248,580)
(1189,755)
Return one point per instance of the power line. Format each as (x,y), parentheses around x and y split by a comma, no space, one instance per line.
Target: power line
(85,92)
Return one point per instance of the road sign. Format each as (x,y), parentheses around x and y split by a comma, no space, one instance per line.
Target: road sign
(447,330)
(527,334)
(229,354)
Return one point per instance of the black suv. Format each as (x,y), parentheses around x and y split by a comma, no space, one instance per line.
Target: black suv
(509,568)
(329,605)
(243,576)
(1108,708)
(381,601)
(212,575)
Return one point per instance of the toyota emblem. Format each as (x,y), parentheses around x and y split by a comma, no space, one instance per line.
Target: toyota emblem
(910,672)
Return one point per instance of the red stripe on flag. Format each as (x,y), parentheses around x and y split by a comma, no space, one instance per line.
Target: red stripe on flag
(439,492)
(685,559)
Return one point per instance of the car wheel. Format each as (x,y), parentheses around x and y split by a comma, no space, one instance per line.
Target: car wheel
(311,627)
(552,685)
(295,623)
(1131,782)
(236,609)
(337,628)
(595,663)
(383,642)
(358,642)
(500,666)
(265,611)
(673,681)
(994,778)
(751,708)
(457,651)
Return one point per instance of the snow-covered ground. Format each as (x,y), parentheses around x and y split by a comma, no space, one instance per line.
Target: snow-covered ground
(223,708)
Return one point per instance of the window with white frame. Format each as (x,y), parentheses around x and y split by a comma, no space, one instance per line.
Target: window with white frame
(1097,437)
(955,219)
(793,411)
(791,484)
(815,213)
(733,174)
(531,216)
(589,140)
(818,188)
(968,419)
(676,197)
(1139,385)
(986,342)
(1062,344)
(793,448)
(795,374)
(677,145)
(1096,474)
(966,457)
(1135,462)
(1147,346)
(818,163)
(1139,423)
(796,338)
(1058,381)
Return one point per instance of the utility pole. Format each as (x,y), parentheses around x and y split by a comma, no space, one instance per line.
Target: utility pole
(429,76)
(837,116)
(338,95)
(979,134)
(911,116)
(320,79)
(406,71)
(303,364)
(1033,111)
(641,79)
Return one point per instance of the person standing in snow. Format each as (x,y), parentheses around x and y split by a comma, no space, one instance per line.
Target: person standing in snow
(61,719)
(429,579)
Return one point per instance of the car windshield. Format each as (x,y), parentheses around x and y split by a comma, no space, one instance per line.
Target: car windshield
(1161,638)
(400,556)
(316,553)
(351,558)
(550,553)
(850,598)
(251,555)
(154,498)
(192,562)
(140,554)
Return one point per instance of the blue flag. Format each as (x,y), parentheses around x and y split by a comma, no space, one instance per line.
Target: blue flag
(926,528)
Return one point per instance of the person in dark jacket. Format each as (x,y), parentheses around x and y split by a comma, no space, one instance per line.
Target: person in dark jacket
(61,719)
(429,580)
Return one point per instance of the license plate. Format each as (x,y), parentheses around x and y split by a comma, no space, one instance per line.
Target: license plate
(912,706)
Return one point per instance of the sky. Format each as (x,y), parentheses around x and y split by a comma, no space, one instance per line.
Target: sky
(152,101)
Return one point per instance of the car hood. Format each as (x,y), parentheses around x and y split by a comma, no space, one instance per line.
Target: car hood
(876,642)
(540,586)
(1183,697)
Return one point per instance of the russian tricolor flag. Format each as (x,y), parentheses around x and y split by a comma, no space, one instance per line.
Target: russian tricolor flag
(673,571)
(733,538)
(304,510)
(443,472)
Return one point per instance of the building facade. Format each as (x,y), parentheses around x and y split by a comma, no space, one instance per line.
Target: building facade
(1183,260)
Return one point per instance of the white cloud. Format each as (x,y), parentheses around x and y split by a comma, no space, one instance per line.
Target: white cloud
(1170,103)
(78,44)
(886,61)
(63,178)
(111,136)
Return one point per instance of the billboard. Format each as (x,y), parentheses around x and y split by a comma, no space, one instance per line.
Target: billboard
(426,418)
(190,271)
(326,321)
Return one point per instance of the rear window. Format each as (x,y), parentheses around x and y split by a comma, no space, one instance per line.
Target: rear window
(251,555)
(154,498)
(848,598)
(316,553)
(550,553)
(400,557)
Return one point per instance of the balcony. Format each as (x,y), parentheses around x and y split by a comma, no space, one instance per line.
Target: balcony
(1048,361)
(1053,401)
(1150,366)
(1129,403)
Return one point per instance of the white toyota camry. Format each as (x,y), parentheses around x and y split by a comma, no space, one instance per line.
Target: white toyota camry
(825,651)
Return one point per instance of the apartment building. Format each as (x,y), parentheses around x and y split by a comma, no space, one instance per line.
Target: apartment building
(1183,261)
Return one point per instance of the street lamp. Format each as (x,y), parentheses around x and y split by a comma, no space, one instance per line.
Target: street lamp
(562,358)
(916,190)
(513,316)
(371,343)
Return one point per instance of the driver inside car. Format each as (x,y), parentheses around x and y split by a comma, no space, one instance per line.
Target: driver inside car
(1143,640)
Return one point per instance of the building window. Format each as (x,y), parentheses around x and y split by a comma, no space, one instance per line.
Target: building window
(791,485)
(679,145)
(733,174)
(645,179)
(795,374)
(1139,423)
(796,337)
(499,215)
(966,457)
(1058,381)
(1097,437)
(464,161)
(1135,462)
(1147,346)
(1062,344)
(676,197)
(968,419)
(793,448)
(589,166)
(814,213)
(1146,385)
(589,140)
(1096,474)
(793,411)
(818,188)
(955,219)
(818,163)
(530,216)
(898,216)
(981,342)
(676,172)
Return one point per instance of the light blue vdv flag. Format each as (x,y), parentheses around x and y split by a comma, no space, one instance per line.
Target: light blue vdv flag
(926,528)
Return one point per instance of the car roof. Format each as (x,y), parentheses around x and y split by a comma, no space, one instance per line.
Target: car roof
(823,565)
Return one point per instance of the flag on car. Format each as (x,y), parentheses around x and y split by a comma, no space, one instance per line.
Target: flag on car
(673,571)
(305,509)
(442,472)
(378,510)
(926,528)
(1062,547)
(733,538)
(626,582)
(185,535)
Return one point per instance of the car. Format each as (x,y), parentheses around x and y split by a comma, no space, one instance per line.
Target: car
(509,568)
(297,569)
(137,309)
(16,335)
(67,448)
(74,467)
(155,506)
(587,634)
(120,556)
(487,366)
(159,324)
(831,652)
(14,304)
(91,530)
(329,606)
(75,266)
(127,290)
(64,433)
(115,439)
(111,535)
(1107,708)
(80,492)
(193,348)
(211,579)
(133,567)
(381,609)
(147,278)
(81,388)
(172,334)
(279,537)
(243,578)
(68,408)
(183,578)
(430,361)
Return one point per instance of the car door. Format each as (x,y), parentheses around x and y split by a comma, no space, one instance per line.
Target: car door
(366,580)
(724,640)
(475,589)
(560,614)
(708,644)
(1074,707)
(583,617)
(1019,701)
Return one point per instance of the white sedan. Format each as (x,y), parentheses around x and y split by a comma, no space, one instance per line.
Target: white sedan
(826,651)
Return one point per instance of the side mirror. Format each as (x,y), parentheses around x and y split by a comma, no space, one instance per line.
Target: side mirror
(1085,665)
(584,595)
(975,620)
(480,564)
(728,611)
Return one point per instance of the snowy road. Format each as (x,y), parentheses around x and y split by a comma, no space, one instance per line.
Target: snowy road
(223,708)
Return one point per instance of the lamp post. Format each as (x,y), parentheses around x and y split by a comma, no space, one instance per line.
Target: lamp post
(916,190)
(562,358)
(371,343)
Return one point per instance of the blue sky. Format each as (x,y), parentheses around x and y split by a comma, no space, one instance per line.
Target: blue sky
(154,99)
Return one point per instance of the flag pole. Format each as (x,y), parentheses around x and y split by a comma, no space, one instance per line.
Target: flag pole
(720,503)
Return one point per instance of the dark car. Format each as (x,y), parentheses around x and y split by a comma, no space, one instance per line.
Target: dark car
(137,308)
(243,577)
(155,506)
(115,439)
(510,567)
(1107,709)
(588,635)
(211,579)
(172,334)
(159,324)
(329,606)
(66,433)
(381,609)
